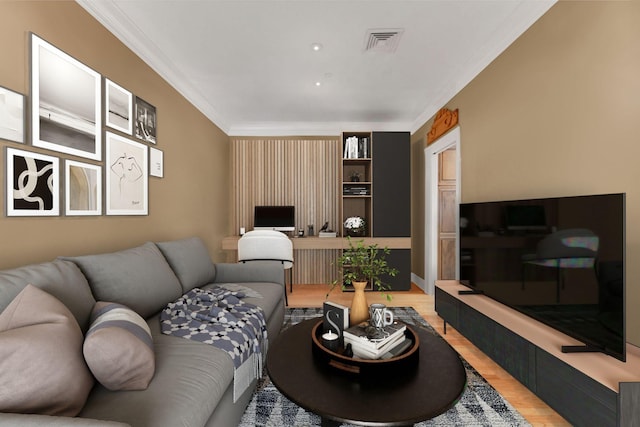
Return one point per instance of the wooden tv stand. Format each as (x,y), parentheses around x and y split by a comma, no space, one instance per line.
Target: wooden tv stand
(587,389)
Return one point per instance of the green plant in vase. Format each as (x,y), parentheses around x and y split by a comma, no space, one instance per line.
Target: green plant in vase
(358,265)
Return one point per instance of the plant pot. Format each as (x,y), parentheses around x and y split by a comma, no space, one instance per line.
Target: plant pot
(359,308)
(353,233)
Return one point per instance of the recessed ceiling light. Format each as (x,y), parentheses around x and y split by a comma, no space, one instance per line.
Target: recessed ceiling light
(316,47)
(318,83)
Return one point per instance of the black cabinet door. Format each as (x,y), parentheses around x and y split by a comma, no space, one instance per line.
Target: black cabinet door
(400,259)
(391,184)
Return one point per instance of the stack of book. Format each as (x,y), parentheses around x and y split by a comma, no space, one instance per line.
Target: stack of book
(327,234)
(355,190)
(356,148)
(384,344)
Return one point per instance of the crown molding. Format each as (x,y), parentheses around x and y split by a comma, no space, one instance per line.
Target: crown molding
(521,18)
(111,17)
(115,21)
(313,128)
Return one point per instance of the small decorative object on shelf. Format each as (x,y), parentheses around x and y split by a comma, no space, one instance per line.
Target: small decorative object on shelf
(355,177)
(355,226)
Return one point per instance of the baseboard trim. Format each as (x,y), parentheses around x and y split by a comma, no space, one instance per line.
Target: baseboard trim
(419,281)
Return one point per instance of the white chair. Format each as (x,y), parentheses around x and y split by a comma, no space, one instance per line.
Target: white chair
(268,245)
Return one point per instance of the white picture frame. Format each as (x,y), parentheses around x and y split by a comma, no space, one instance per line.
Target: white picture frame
(126,176)
(156,162)
(32,183)
(12,115)
(83,189)
(118,107)
(65,102)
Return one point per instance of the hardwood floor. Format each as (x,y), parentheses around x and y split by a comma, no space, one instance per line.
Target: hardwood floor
(530,406)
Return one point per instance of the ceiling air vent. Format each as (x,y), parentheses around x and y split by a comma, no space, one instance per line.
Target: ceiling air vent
(382,40)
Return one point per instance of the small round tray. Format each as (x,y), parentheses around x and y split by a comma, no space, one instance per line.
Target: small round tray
(394,365)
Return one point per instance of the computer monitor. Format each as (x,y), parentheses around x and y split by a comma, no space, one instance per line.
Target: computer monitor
(280,218)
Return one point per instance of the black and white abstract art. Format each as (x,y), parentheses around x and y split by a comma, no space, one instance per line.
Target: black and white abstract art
(33,183)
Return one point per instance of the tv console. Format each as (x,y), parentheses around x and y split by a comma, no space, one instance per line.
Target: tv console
(587,389)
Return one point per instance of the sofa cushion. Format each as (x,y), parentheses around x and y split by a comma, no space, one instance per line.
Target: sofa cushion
(41,365)
(62,279)
(190,379)
(190,260)
(118,348)
(139,278)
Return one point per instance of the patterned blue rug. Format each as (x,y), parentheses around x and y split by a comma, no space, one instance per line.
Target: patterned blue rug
(480,405)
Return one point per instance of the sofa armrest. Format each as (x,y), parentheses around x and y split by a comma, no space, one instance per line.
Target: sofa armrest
(32,420)
(254,271)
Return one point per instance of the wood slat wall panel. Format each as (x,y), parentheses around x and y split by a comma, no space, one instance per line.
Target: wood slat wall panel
(297,171)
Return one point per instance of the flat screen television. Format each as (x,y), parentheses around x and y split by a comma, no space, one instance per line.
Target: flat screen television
(280,218)
(558,260)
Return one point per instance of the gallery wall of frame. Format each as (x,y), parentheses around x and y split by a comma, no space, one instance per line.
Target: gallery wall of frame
(95,135)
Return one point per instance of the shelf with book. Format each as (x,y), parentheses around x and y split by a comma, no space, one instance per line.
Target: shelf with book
(357,178)
(355,189)
(376,186)
(356,145)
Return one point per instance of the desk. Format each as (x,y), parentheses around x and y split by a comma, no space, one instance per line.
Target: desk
(314,257)
(230,243)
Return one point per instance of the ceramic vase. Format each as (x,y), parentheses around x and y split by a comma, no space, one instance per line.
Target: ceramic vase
(353,233)
(359,308)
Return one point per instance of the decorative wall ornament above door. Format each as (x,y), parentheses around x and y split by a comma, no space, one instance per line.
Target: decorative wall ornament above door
(445,120)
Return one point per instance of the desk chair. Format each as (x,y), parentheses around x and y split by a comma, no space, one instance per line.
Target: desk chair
(268,245)
(571,248)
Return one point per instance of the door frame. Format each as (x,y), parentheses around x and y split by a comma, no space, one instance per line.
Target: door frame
(450,140)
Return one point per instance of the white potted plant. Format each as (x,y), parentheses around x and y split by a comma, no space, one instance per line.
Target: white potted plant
(355,226)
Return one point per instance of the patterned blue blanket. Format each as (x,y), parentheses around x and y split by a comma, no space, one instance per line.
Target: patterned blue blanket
(219,317)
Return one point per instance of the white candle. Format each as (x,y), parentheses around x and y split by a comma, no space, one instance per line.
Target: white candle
(330,340)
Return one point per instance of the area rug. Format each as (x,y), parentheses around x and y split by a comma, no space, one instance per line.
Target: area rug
(480,404)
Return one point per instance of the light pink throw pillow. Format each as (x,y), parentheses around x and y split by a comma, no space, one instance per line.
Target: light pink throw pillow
(42,369)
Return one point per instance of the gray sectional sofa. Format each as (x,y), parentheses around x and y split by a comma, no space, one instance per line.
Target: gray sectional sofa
(192,383)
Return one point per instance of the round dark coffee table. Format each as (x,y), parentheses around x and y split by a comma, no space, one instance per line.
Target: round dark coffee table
(427,389)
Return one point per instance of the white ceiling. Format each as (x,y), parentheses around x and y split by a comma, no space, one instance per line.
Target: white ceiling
(249,66)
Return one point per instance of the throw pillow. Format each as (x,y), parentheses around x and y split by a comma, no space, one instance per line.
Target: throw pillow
(118,348)
(190,260)
(41,365)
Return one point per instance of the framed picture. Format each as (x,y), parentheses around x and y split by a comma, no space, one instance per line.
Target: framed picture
(83,188)
(119,107)
(126,176)
(12,115)
(146,121)
(156,162)
(65,102)
(33,184)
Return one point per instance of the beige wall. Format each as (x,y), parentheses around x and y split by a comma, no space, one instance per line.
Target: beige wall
(558,113)
(193,197)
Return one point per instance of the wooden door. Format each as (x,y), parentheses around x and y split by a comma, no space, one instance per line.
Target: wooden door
(447,214)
